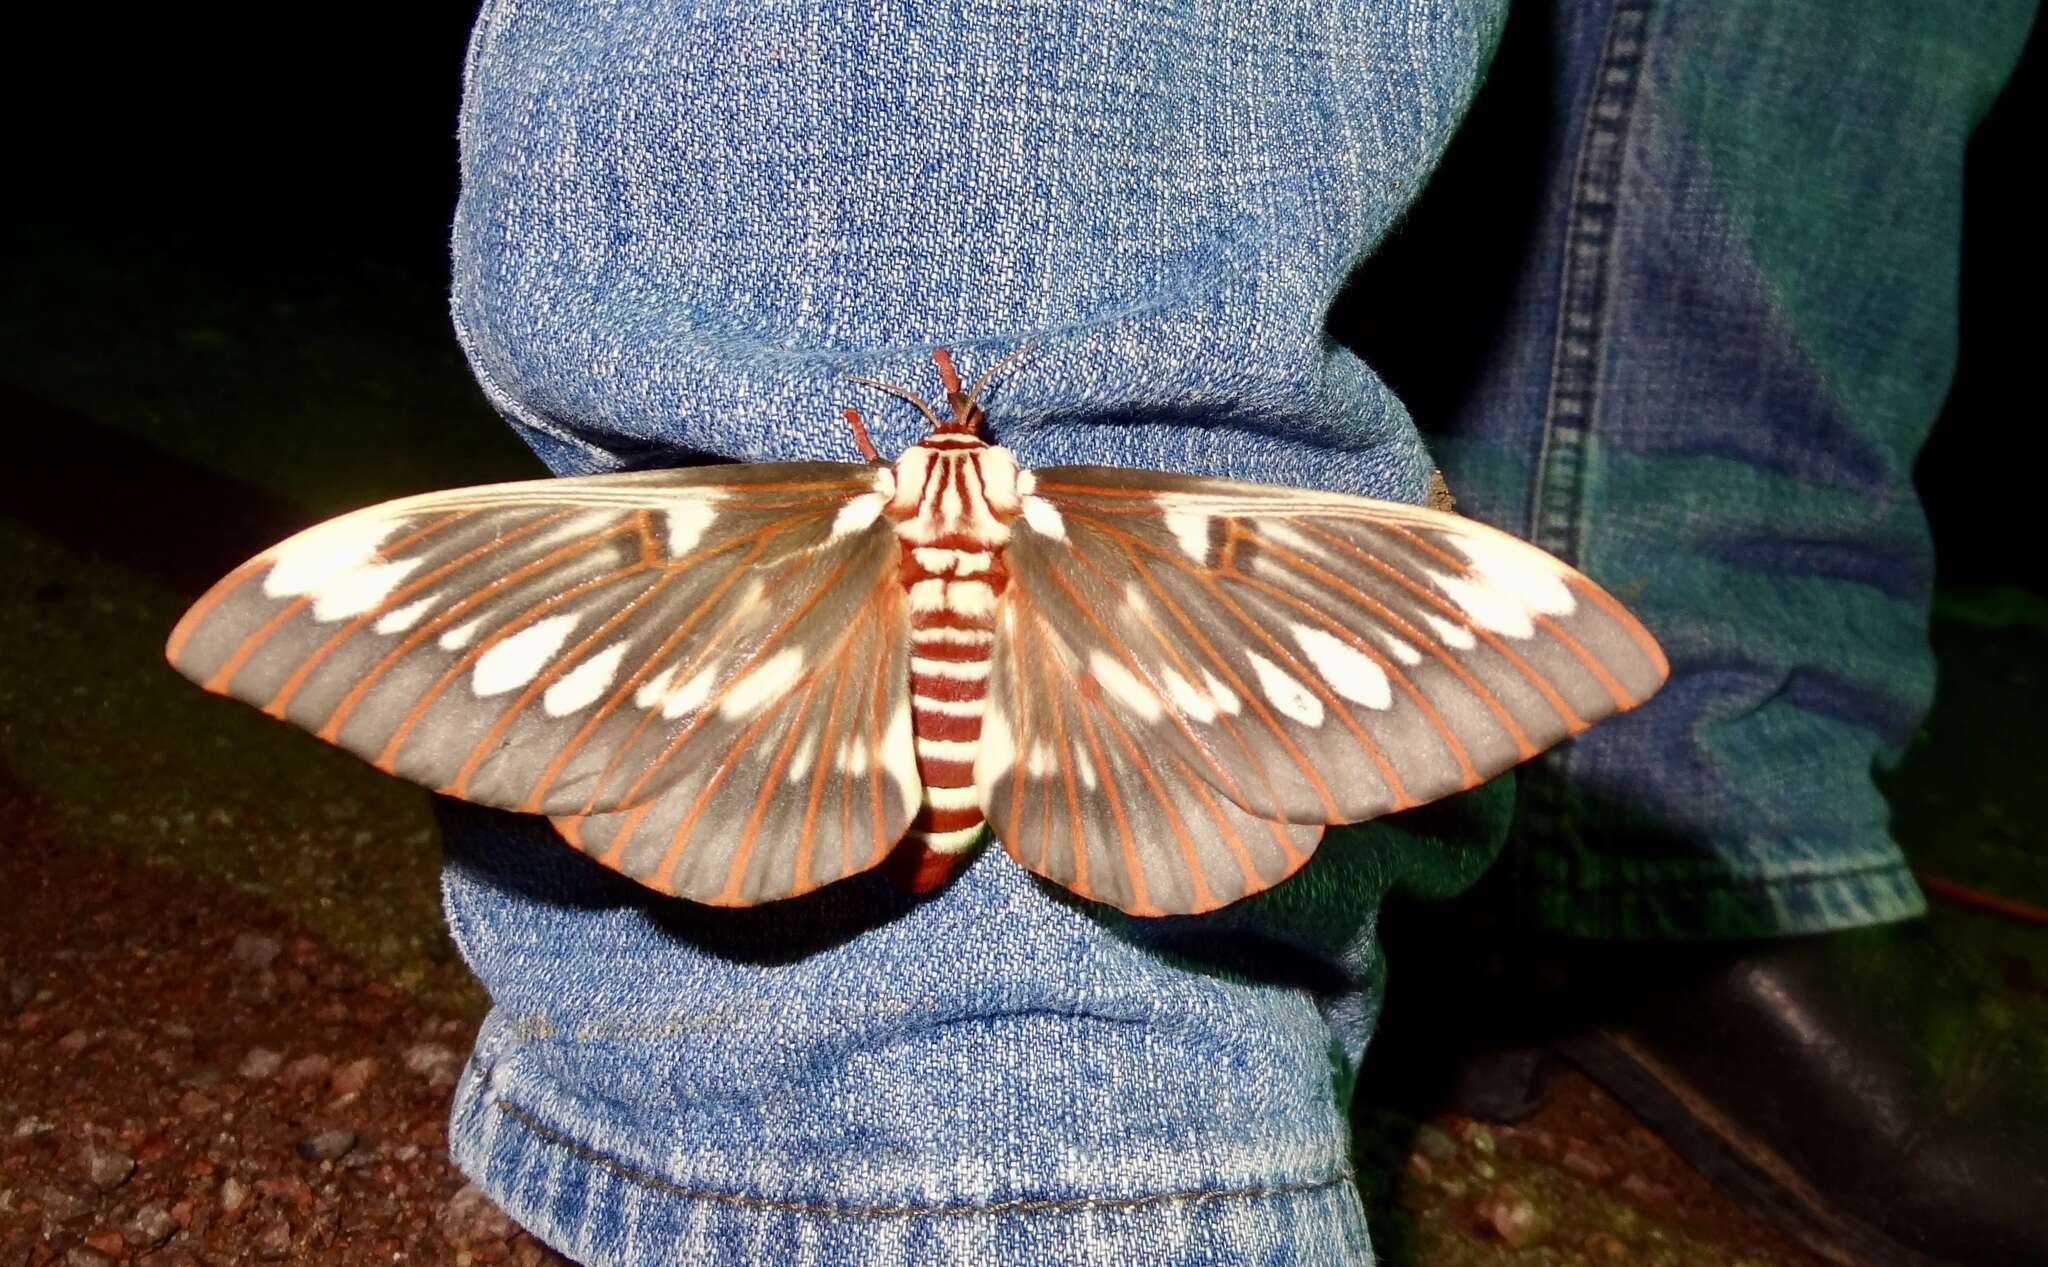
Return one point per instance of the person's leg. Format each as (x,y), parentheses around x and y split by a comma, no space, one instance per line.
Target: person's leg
(678,229)
(1734,332)
(1706,386)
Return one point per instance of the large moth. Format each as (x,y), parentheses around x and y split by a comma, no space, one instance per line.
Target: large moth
(739,683)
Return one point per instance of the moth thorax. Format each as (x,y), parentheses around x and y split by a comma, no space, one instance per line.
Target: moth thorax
(955,489)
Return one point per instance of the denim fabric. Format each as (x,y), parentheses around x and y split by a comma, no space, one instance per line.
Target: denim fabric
(1733,328)
(679,226)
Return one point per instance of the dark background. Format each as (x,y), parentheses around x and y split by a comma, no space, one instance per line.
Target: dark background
(296,145)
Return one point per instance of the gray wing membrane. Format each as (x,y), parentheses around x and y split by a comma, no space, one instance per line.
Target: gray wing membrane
(1083,795)
(1310,658)
(568,647)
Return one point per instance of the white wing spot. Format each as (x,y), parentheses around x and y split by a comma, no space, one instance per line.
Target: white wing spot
(1287,695)
(1402,651)
(322,555)
(1040,763)
(1125,686)
(359,589)
(1226,699)
(459,637)
(1043,517)
(753,692)
(1286,534)
(1350,672)
(1085,767)
(858,513)
(581,685)
(800,759)
(654,688)
(1188,696)
(1456,637)
(1191,529)
(520,658)
(853,756)
(690,696)
(400,619)
(1516,568)
(687,522)
(1499,610)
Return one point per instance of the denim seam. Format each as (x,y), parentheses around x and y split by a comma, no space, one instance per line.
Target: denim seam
(1557,495)
(1559,486)
(1029,1205)
(1729,884)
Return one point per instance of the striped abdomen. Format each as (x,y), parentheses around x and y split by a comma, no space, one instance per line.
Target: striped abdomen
(953,594)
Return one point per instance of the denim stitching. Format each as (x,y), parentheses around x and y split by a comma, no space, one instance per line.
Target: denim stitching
(1729,884)
(1029,1205)
(1558,485)
(1582,291)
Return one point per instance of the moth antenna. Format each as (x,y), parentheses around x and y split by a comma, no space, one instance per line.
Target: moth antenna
(949,378)
(901,392)
(1029,345)
(860,435)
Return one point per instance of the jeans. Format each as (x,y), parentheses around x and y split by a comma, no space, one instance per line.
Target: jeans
(1728,323)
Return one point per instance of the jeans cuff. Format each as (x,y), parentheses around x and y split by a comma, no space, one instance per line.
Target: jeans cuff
(604,1209)
(1675,902)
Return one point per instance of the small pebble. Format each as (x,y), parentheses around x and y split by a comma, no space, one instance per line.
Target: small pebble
(74,1042)
(353,1076)
(202,1077)
(107,1241)
(469,1218)
(261,1062)
(255,950)
(83,1256)
(275,1240)
(436,1062)
(196,1104)
(1587,1164)
(108,1168)
(21,988)
(306,1070)
(1647,1191)
(1511,1216)
(234,1194)
(31,1126)
(149,1227)
(60,1206)
(326,1145)
(1434,1144)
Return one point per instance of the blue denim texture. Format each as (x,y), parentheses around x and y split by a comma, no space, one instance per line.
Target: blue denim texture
(680,226)
(1734,329)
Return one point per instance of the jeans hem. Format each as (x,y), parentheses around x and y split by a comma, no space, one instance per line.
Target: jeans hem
(1674,907)
(604,1211)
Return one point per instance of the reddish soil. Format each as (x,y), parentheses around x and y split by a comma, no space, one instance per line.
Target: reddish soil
(190,1079)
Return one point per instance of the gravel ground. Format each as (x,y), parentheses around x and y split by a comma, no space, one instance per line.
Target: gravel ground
(193,1078)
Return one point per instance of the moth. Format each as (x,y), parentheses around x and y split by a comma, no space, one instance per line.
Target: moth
(737,684)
